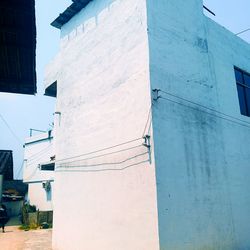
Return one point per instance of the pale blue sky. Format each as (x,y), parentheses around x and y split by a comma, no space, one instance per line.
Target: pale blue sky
(23,112)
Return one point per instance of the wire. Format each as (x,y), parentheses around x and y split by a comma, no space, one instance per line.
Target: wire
(102,170)
(103,149)
(100,150)
(105,163)
(39,152)
(150,124)
(208,10)
(243,31)
(200,105)
(98,156)
(204,112)
(19,170)
(31,175)
(10,129)
(148,117)
(38,155)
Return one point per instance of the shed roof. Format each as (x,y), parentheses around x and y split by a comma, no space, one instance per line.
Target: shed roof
(72,10)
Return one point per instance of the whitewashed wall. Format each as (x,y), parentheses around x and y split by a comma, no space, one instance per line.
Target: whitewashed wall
(38,150)
(104,100)
(202,158)
(113,53)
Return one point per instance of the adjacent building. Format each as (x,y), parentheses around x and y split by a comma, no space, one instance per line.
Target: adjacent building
(38,170)
(6,168)
(12,192)
(152,128)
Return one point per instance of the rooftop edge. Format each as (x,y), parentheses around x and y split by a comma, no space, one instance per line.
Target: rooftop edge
(71,11)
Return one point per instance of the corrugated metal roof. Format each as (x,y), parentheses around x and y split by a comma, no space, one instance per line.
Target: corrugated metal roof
(17,46)
(72,10)
(6,164)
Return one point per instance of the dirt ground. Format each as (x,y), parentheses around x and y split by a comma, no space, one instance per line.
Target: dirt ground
(15,239)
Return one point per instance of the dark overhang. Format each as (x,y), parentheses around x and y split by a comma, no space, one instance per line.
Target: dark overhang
(15,187)
(17,46)
(51,90)
(6,164)
(71,11)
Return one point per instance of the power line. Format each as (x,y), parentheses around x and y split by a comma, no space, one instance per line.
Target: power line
(20,169)
(104,149)
(98,156)
(31,175)
(207,9)
(202,106)
(10,129)
(204,112)
(243,31)
(40,152)
(102,170)
(100,150)
(104,163)
(38,155)
(148,118)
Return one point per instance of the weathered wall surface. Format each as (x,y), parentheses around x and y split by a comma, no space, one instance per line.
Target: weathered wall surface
(38,150)
(202,157)
(105,200)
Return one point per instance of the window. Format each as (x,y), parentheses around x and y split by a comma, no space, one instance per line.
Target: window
(48,167)
(243,88)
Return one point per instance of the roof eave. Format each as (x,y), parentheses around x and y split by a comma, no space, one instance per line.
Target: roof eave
(70,12)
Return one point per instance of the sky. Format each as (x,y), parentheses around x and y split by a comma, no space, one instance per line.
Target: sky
(22,112)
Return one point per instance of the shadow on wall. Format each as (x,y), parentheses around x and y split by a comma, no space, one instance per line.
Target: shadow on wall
(49,195)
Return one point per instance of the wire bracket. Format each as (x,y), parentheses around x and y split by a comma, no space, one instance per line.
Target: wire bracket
(155,94)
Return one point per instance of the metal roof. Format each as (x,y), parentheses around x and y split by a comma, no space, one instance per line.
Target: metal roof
(17,46)
(72,10)
(6,164)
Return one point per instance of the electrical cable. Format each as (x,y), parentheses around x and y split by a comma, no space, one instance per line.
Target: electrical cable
(19,170)
(98,156)
(34,160)
(200,105)
(100,150)
(204,111)
(31,175)
(149,127)
(243,31)
(10,129)
(148,117)
(104,163)
(102,170)
(39,152)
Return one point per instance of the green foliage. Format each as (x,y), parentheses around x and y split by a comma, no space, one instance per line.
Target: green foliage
(33,226)
(29,208)
(24,227)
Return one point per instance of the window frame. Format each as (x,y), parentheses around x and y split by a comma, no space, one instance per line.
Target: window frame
(43,166)
(244,86)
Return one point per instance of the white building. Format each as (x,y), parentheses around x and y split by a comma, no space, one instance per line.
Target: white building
(38,171)
(130,68)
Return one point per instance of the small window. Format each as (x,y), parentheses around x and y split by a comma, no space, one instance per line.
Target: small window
(243,88)
(48,167)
